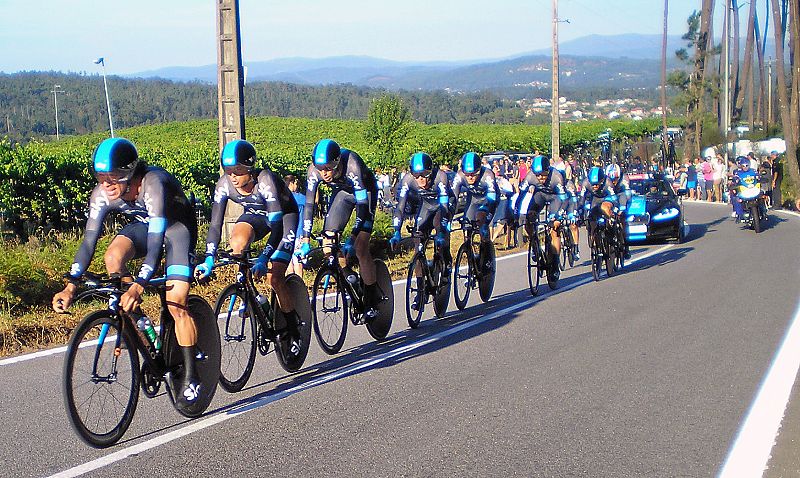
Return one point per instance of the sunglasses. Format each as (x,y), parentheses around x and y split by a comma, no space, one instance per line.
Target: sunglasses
(236,170)
(422,174)
(110,178)
(327,167)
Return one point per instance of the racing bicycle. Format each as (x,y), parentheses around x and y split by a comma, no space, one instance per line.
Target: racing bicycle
(606,249)
(475,266)
(102,375)
(542,258)
(428,279)
(245,325)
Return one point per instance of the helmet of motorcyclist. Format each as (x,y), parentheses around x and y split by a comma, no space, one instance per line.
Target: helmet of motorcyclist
(421,165)
(326,154)
(115,159)
(596,176)
(743,161)
(238,155)
(471,163)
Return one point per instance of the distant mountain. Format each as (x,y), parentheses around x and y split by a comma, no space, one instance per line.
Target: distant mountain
(628,45)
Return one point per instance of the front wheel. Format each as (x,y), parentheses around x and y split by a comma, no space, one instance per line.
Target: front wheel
(610,255)
(462,276)
(442,278)
(488,265)
(416,295)
(101,379)
(756,215)
(533,267)
(237,332)
(329,310)
(597,248)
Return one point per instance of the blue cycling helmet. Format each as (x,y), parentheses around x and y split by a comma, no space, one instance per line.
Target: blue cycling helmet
(613,172)
(596,176)
(116,156)
(421,165)
(540,165)
(238,153)
(471,163)
(326,154)
(743,160)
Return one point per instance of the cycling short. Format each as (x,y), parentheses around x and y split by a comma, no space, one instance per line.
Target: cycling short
(340,208)
(261,227)
(531,205)
(475,204)
(179,243)
(426,217)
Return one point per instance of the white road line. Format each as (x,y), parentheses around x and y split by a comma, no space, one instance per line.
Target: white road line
(751,450)
(62,349)
(255,404)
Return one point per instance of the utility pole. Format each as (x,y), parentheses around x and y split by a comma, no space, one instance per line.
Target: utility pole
(102,61)
(555,117)
(55,92)
(769,92)
(726,80)
(230,90)
(664,79)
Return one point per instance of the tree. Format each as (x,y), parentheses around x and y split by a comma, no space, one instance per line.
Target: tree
(789,117)
(387,126)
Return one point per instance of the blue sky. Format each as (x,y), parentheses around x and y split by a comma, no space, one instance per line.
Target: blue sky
(138,35)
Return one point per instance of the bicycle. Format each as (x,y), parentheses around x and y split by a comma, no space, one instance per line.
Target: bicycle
(434,277)
(567,246)
(235,310)
(605,248)
(102,377)
(478,264)
(540,256)
(338,294)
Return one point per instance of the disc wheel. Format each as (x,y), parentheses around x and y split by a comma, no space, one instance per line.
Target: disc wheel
(101,379)
(237,331)
(329,311)
(487,265)
(597,248)
(291,356)
(207,368)
(610,255)
(379,327)
(562,260)
(462,276)
(533,267)
(442,279)
(416,295)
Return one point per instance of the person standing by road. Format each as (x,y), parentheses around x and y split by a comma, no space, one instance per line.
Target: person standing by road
(765,174)
(777,179)
(296,266)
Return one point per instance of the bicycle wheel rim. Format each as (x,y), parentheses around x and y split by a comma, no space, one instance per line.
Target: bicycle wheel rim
(101,406)
(596,256)
(237,332)
(380,326)
(414,292)
(442,297)
(487,263)
(289,361)
(329,310)
(461,277)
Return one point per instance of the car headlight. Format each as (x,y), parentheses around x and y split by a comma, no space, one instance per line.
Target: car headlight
(666,214)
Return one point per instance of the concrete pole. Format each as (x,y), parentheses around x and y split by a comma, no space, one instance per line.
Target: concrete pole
(555,120)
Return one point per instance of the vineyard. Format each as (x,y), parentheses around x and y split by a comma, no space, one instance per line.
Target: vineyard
(45,186)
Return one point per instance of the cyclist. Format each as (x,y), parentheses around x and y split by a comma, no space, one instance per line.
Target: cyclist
(429,184)
(481,188)
(354,187)
(543,185)
(570,203)
(619,184)
(598,198)
(269,208)
(160,215)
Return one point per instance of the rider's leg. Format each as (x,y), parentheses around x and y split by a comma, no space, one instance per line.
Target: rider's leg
(241,237)
(119,252)
(555,239)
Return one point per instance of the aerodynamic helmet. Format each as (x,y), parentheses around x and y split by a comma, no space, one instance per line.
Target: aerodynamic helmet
(421,165)
(540,165)
(116,157)
(239,153)
(596,175)
(326,154)
(471,163)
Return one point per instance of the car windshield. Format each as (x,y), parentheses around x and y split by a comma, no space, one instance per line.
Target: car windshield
(651,188)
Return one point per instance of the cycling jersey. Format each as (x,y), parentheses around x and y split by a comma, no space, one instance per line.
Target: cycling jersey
(595,198)
(269,208)
(432,200)
(622,190)
(354,186)
(160,210)
(533,192)
(481,196)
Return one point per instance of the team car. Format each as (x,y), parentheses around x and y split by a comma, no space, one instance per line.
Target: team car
(655,212)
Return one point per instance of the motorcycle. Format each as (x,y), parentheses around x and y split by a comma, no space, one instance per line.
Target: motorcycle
(754,205)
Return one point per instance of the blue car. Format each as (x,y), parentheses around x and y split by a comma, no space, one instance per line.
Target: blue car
(655,212)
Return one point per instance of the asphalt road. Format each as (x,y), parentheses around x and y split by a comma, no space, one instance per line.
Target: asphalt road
(649,373)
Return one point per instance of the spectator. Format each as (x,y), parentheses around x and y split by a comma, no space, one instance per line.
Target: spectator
(294,186)
(708,179)
(719,167)
(691,180)
(503,215)
(777,178)
(765,174)
(522,167)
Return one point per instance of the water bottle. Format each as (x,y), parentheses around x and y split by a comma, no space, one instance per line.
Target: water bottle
(146,325)
(263,302)
(352,278)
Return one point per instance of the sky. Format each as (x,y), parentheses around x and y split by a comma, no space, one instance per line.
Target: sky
(139,35)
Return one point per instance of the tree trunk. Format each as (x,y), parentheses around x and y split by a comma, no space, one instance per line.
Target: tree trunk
(698,83)
(794,56)
(736,87)
(748,64)
(783,100)
(761,108)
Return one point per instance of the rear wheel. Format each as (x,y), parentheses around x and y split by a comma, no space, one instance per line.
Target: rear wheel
(487,265)
(101,380)
(442,279)
(563,257)
(379,327)
(291,356)
(755,214)
(533,266)
(329,311)
(237,332)
(462,276)
(610,255)
(597,248)
(416,296)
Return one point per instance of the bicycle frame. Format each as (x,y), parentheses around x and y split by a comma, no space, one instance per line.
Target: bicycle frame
(356,298)
(245,277)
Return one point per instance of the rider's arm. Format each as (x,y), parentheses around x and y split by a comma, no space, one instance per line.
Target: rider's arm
(98,209)
(444,198)
(402,198)
(281,213)
(153,186)
(356,174)
(311,201)
(491,193)
(217,215)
